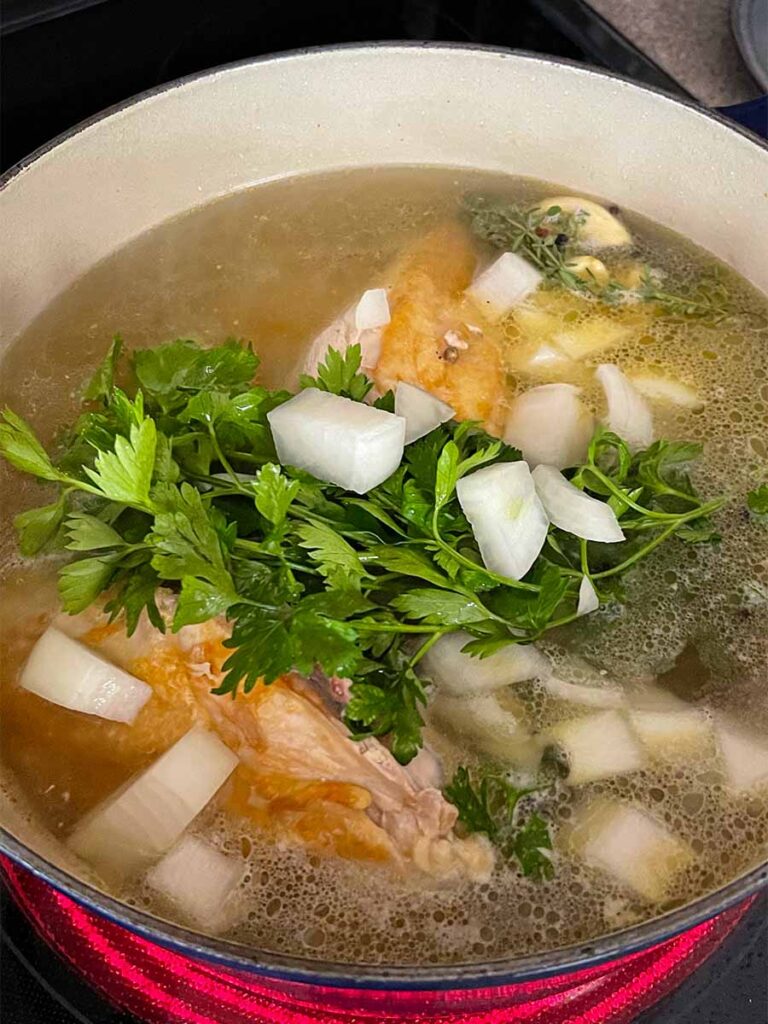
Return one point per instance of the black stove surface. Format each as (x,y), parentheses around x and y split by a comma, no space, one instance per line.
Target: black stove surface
(65,60)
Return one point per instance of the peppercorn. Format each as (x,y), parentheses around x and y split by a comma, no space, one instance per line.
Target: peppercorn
(542,232)
(561,240)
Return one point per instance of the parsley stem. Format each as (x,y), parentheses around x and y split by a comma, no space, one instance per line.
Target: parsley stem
(226,464)
(505,581)
(421,651)
(584,558)
(386,627)
(646,550)
(617,492)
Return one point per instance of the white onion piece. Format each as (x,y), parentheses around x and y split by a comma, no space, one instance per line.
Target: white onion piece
(550,424)
(505,283)
(744,757)
(500,732)
(666,390)
(421,411)
(578,693)
(372,310)
(628,414)
(506,516)
(462,675)
(631,846)
(673,735)
(588,599)
(598,746)
(574,511)
(139,823)
(66,672)
(342,442)
(201,881)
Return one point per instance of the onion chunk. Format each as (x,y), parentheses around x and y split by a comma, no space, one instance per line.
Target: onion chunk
(139,823)
(421,411)
(630,845)
(598,746)
(201,881)
(505,283)
(506,516)
(339,441)
(574,511)
(628,414)
(372,311)
(550,424)
(66,672)
(462,675)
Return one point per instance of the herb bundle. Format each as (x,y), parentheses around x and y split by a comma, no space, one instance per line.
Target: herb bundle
(174,482)
(549,239)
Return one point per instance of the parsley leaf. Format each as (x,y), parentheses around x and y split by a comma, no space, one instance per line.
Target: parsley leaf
(99,387)
(169,374)
(89,533)
(20,446)
(274,493)
(37,527)
(388,703)
(757,503)
(490,805)
(337,560)
(443,607)
(81,582)
(125,474)
(339,374)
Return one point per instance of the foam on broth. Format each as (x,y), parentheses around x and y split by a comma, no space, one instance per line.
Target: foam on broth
(274,264)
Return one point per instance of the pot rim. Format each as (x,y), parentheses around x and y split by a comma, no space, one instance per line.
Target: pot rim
(307,970)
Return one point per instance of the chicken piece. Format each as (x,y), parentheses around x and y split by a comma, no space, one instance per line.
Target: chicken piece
(437,338)
(301,776)
(432,339)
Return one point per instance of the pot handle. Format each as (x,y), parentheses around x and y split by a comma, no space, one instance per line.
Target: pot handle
(752,115)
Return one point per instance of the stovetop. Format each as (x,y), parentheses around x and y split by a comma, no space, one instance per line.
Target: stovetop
(65,60)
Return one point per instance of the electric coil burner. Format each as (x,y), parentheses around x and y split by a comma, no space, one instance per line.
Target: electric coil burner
(160,986)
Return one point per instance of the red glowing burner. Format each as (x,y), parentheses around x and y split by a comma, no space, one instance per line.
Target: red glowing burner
(163,987)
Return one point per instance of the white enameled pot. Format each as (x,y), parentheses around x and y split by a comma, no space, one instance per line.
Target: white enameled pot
(107,181)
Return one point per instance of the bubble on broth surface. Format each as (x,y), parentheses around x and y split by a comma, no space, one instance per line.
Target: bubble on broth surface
(274,265)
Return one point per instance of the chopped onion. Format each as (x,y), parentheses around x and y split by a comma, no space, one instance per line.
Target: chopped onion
(201,881)
(507,517)
(507,281)
(673,735)
(631,846)
(628,413)
(590,696)
(744,757)
(139,823)
(496,730)
(588,599)
(372,310)
(574,511)
(66,672)
(550,424)
(342,442)
(421,411)
(587,337)
(598,746)
(462,675)
(666,390)
(599,228)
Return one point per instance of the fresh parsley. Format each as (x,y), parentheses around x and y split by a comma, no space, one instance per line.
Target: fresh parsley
(489,804)
(175,483)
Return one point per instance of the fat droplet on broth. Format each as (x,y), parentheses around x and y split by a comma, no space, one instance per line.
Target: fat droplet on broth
(233,268)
